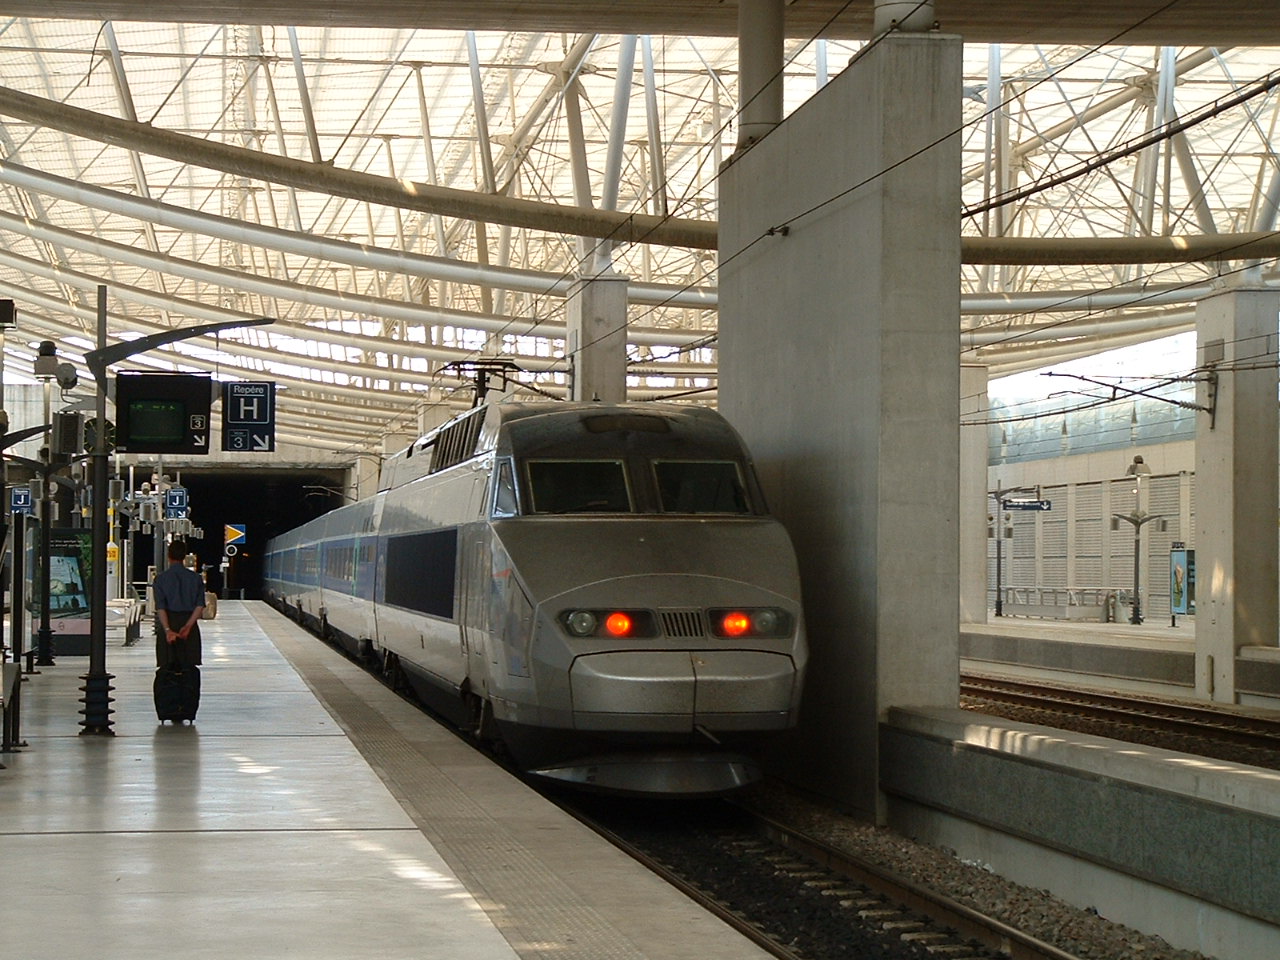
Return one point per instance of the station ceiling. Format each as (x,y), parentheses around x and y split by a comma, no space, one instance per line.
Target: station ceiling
(979,21)
(210,162)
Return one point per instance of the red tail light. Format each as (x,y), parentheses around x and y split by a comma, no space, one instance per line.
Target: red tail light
(618,624)
(750,623)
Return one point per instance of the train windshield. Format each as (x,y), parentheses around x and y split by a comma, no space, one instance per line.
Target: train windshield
(578,486)
(700,486)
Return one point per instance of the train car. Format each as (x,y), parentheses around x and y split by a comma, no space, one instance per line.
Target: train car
(597,588)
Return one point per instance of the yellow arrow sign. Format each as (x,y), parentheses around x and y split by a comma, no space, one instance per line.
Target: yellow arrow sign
(234,533)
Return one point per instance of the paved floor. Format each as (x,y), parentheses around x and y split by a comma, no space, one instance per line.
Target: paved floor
(262,830)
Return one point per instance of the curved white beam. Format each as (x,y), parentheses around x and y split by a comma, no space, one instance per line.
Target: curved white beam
(1094,328)
(1217,247)
(319,334)
(324,248)
(350,303)
(974,250)
(365,187)
(274,358)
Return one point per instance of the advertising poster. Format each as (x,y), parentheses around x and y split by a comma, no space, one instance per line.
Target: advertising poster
(1182,581)
(70,572)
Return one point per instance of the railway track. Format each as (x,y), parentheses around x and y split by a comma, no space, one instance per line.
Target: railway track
(796,897)
(1215,731)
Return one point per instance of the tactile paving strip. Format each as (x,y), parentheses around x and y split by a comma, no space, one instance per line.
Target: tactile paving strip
(538,913)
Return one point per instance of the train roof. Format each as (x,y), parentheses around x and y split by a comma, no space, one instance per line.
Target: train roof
(552,428)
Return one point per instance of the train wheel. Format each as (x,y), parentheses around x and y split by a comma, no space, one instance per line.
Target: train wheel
(394,675)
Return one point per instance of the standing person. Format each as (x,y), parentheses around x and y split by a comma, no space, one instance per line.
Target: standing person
(179,600)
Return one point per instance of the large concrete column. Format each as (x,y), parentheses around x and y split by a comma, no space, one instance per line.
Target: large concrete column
(973,493)
(596,337)
(760,40)
(1236,484)
(839,312)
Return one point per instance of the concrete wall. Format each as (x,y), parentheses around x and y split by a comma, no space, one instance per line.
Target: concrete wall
(1142,836)
(839,366)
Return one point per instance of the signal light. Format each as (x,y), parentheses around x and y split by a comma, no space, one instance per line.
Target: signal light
(618,624)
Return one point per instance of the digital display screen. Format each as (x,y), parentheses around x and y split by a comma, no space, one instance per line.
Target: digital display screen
(157,421)
(162,413)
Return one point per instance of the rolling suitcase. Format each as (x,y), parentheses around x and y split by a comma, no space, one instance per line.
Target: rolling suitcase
(177,693)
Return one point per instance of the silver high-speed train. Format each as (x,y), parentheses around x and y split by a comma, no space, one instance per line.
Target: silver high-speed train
(597,588)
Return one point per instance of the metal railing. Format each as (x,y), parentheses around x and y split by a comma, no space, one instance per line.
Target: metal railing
(1062,603)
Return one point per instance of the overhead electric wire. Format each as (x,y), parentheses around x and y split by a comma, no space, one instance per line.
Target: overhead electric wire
(1219,106)
(713,336)
(784,227)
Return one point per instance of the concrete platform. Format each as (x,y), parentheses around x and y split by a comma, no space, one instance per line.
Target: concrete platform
(310,813)
(1151,657)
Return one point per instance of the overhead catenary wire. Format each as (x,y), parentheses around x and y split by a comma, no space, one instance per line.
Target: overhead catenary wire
(710,340)
(784,227)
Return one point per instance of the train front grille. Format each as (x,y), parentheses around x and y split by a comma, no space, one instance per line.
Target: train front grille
(682,623)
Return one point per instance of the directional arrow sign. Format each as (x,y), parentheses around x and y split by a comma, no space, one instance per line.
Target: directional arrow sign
(234,533)
(249,416)
(176,503)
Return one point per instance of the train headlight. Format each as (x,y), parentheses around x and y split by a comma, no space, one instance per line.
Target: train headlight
(609,623)
(750,622)
(581,623)
(764,623)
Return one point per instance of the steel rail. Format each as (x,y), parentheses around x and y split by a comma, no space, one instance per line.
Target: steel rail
(1166,715)
(945,911)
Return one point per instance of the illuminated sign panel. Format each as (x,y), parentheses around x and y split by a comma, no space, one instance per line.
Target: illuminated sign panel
(162,413)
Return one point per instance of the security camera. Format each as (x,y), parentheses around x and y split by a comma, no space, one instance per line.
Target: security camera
(45,365)
(66,376)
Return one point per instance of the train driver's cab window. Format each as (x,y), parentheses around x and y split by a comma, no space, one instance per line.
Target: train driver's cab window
(504,491)
(700,486)
(578,486)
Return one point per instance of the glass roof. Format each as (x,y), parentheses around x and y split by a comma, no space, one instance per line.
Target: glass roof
(365,334)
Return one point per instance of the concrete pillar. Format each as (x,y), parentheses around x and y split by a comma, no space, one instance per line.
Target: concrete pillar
(973,493)
(760,39)
(1236,479)
(839,306)
(596,337)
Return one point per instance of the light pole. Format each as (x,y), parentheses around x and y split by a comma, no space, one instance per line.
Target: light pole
(97,682)
(997,526)
(1138,519)
(45,368)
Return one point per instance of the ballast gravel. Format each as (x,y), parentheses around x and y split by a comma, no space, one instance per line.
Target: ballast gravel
(1035,912)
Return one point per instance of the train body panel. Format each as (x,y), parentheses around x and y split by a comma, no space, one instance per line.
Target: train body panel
(600,582)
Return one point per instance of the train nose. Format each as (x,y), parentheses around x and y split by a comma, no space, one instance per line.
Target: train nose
(677,691)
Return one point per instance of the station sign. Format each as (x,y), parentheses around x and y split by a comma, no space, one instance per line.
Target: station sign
(1028,505)
(20,500)
(162,413)
(233,539)
(249,416)
(176,503)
